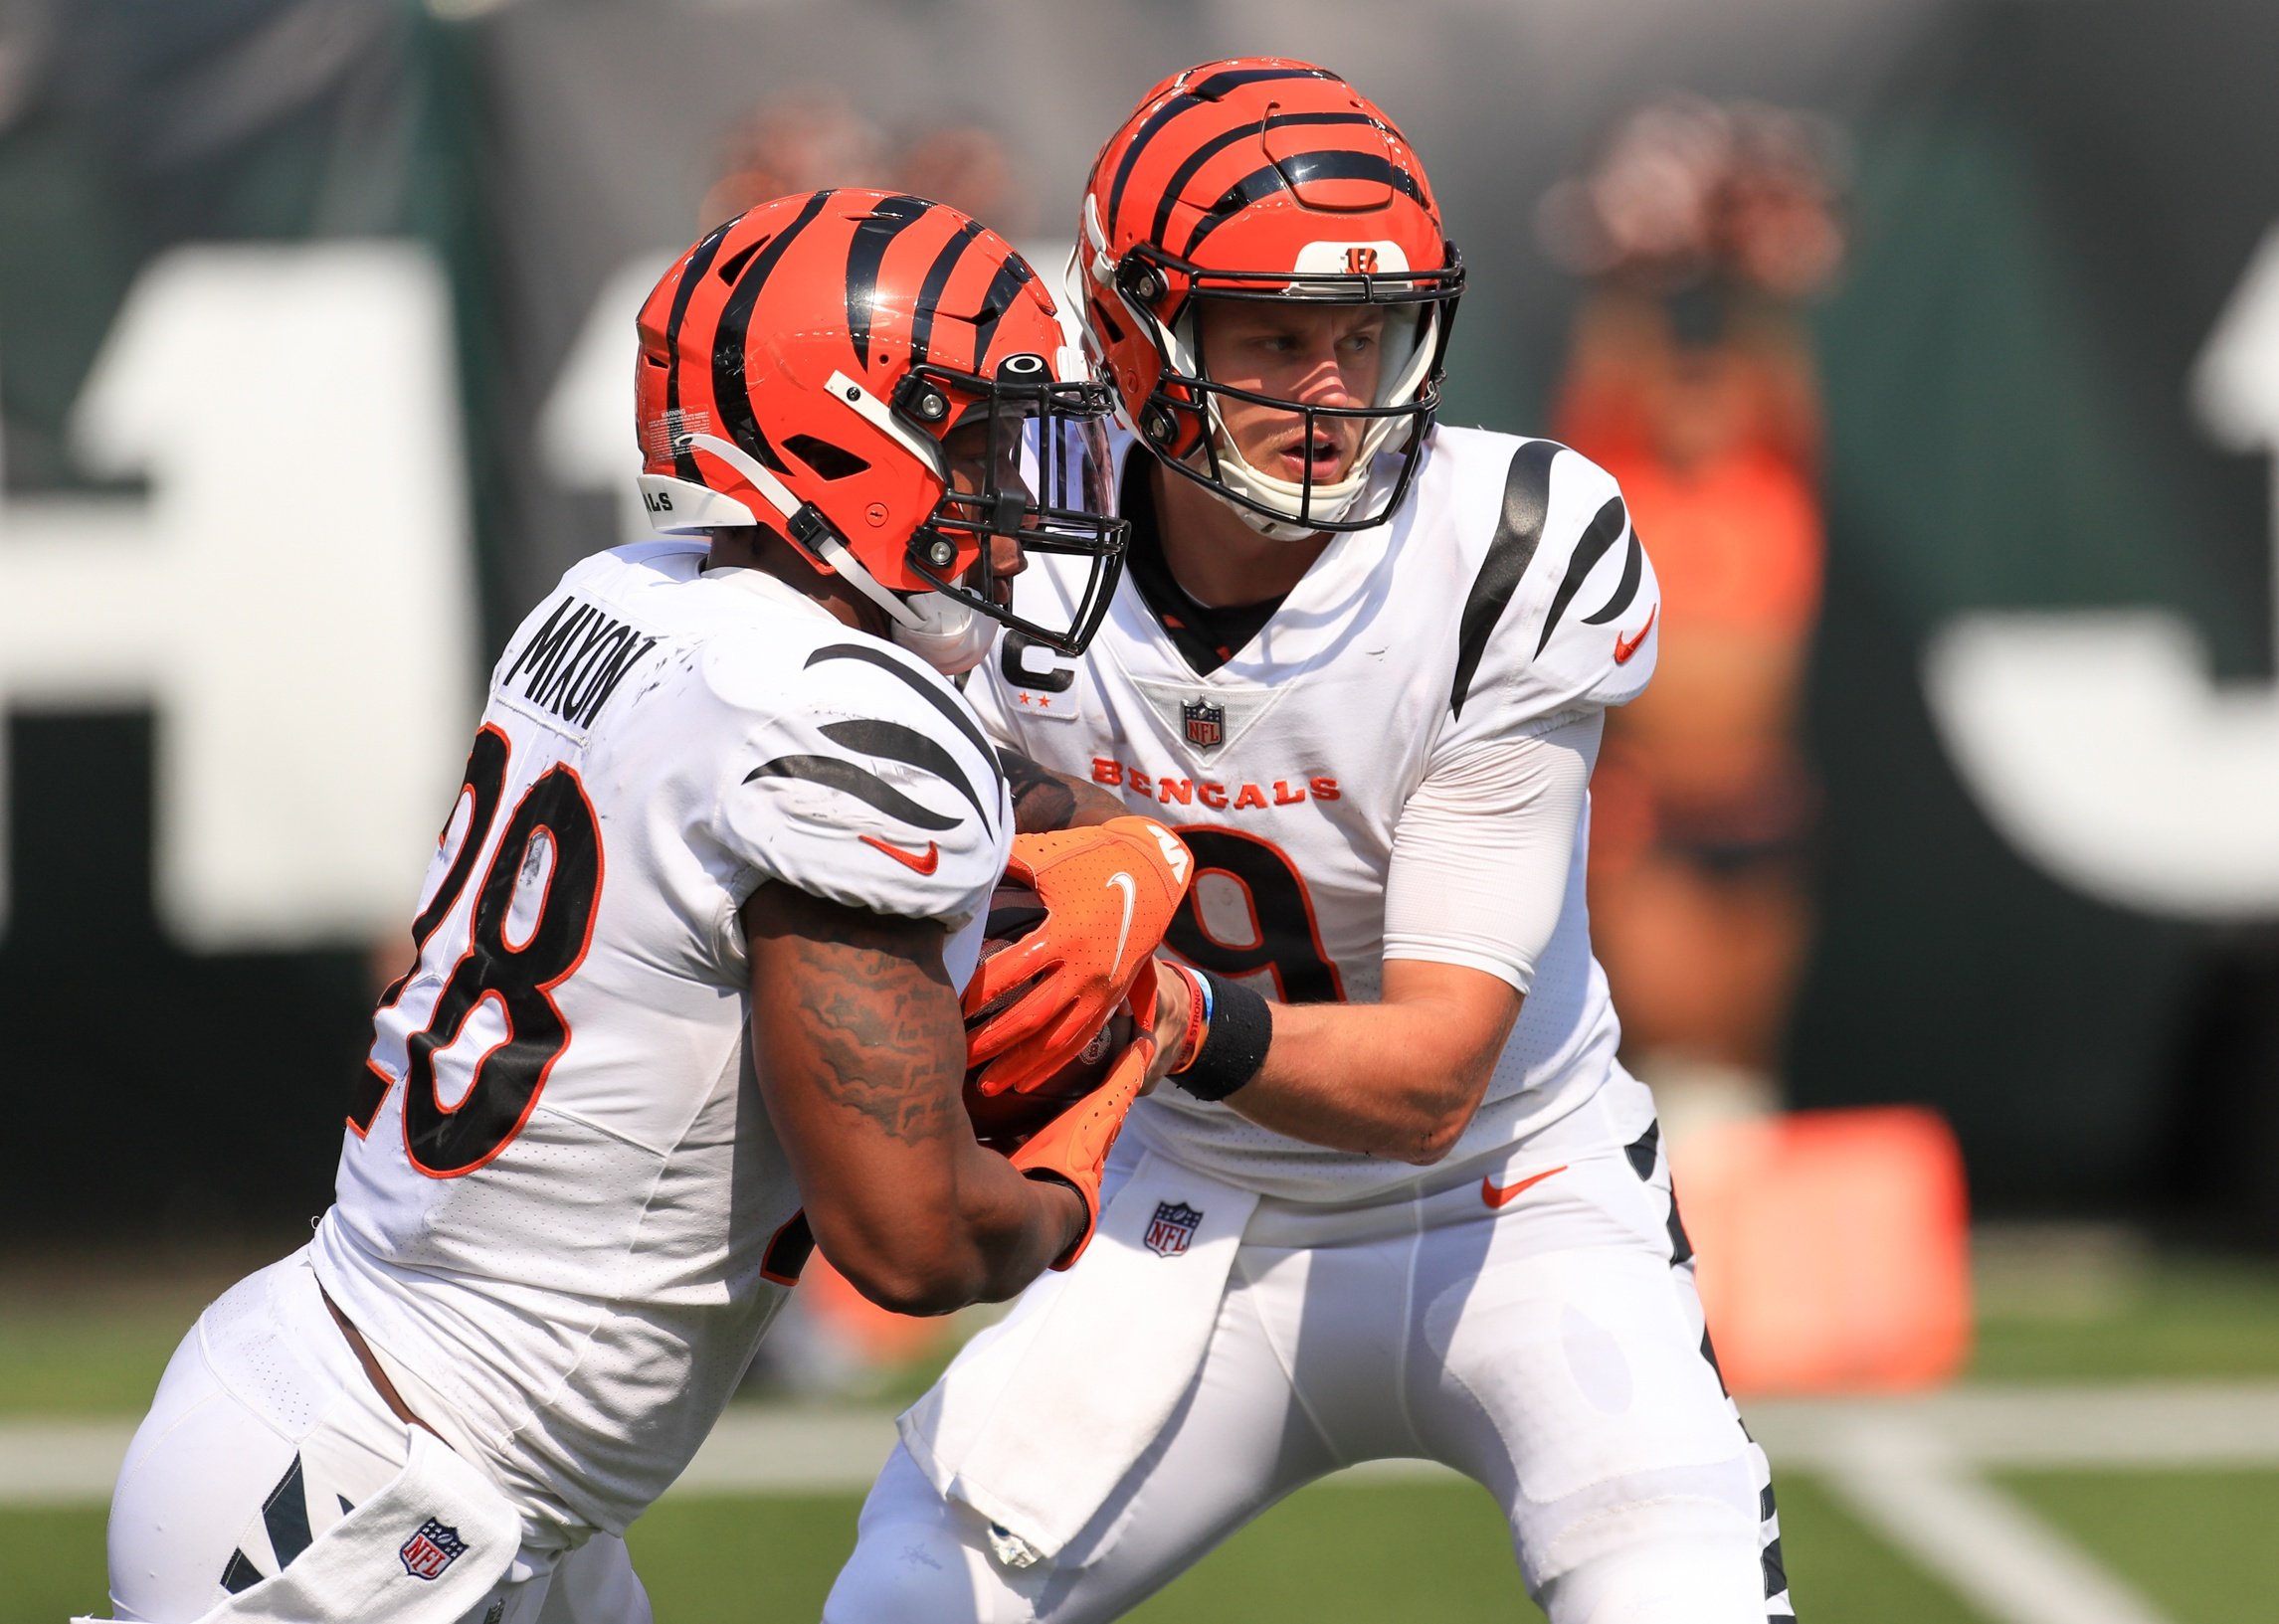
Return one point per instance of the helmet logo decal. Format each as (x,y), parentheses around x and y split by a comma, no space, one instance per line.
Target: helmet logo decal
(664,436)
(1383,257)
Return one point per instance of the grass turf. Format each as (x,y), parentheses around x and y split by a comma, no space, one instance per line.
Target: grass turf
(2196,1545)
(1381,1554)
(75,1349)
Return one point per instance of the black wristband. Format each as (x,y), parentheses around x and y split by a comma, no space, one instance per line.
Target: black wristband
(1241,1026)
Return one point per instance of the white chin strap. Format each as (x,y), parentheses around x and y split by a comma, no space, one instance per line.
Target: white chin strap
(946,632)
(1332,499)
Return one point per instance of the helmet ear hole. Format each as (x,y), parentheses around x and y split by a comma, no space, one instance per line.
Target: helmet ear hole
(828,461)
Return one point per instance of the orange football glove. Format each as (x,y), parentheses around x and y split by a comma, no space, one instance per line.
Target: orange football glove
(1109,893)
(1074,1146)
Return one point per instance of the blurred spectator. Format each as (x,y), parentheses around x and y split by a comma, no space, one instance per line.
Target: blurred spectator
(969,168)
(796,143)
(818,139)
(1704,227)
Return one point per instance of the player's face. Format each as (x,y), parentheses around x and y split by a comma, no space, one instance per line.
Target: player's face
(1317,355)
(970,472)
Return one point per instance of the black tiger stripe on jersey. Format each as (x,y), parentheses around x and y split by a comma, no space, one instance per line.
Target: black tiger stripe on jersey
(1174,189)
(285,1518)
(1640,1151)
(835,773)
(1625,590)
(894,742)
(728,390)
(241,1576)
(1606,528)
(866,253)
(286,1515)
(1518,532)
(923,686)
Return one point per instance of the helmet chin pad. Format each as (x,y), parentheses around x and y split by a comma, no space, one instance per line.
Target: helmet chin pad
(950,636)
(1409,358)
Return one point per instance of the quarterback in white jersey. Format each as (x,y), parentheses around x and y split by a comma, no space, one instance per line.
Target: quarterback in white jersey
(1399,1198)
(685,994)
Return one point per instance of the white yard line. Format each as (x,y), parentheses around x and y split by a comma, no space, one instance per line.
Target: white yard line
(61,1463)
(1908,1467)
(1902,1481)
(2119,1426)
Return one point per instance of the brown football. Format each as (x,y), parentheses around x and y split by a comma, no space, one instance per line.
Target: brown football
(1004,1120)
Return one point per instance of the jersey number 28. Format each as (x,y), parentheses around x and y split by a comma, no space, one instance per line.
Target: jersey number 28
(519,947)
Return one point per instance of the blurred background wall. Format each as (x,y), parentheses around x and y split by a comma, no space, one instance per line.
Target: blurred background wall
(2039,871)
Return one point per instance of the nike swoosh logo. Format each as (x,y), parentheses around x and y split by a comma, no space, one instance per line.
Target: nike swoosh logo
(1131,900)
(923,862)
(1624,647)
(1502,1195)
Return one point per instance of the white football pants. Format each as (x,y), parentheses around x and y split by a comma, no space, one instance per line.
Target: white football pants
(265,1433)
(1549,1347)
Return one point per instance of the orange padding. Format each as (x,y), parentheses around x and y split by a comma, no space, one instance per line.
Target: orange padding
(1833,1248)
(862,1328)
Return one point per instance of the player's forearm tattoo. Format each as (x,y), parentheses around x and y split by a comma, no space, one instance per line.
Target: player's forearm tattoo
(878,1031)
(1045,800)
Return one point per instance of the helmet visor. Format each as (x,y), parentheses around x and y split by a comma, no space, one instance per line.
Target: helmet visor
(1306,464)
(1030,463)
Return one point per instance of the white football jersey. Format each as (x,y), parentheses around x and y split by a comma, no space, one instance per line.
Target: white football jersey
(1506,597)
(560,1196)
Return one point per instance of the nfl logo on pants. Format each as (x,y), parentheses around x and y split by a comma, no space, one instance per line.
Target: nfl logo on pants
(1206,723)
(1172,1227)
(435,1548)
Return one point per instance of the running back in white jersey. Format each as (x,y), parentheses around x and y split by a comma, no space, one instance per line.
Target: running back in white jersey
(1507,596)
(559,1188)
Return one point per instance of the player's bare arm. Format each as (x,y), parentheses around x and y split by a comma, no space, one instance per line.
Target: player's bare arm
(860,1051)
(1398,1078)
(1045,800)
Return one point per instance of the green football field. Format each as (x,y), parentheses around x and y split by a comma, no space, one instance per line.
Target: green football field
(2189,1541)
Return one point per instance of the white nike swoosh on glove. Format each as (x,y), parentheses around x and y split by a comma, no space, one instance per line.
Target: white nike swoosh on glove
(1131,901)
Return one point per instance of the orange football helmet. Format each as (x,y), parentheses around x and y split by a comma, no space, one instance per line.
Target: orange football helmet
(1263,179)
(800,368)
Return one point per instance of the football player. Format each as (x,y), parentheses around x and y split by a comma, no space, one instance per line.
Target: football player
(685,993)
(1399,1198)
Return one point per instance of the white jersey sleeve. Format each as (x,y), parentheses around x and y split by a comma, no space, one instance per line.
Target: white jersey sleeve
(1480,857)
(1560,616)
(862,777)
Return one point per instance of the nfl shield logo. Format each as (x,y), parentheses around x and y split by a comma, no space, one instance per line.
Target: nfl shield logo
(427,1552)
(1206,723)
(1172,1227)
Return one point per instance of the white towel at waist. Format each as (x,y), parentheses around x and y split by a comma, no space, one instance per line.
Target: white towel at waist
(1043,1414)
